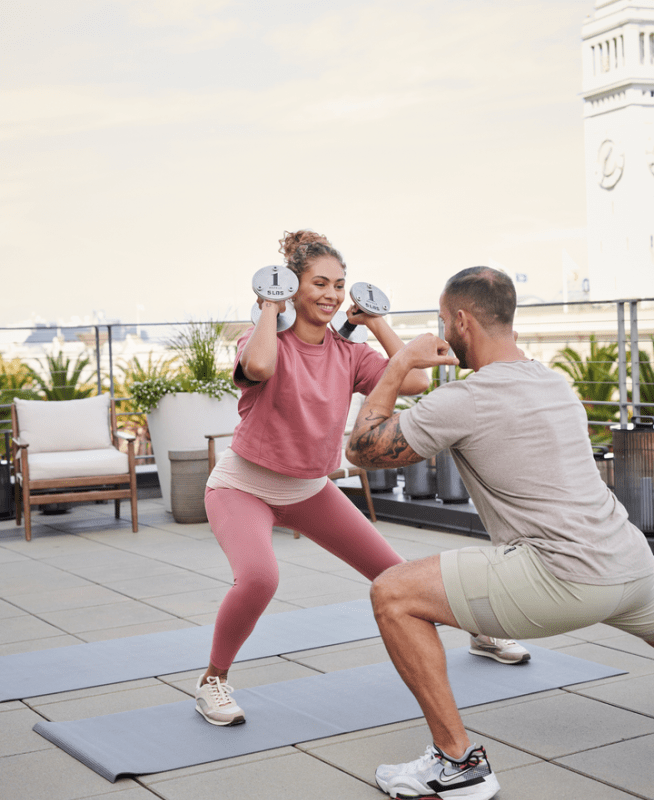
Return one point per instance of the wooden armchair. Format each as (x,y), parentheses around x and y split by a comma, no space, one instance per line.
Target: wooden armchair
(70,445)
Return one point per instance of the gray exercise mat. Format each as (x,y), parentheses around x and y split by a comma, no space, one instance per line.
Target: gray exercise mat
(173,736)
(81,666)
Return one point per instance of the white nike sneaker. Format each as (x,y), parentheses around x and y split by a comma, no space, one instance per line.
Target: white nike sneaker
(437,775)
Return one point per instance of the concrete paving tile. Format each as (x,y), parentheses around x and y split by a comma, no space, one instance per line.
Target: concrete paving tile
(157,694)
(618,659)
(635,694)
(629,644)
(186,604)
(126,566)
(180,580)
(295,774)
(343,596)
(31,645)
(316,584)
(20,629)
(360,754)
(560,725)
(93,523)
(627,765)
(52,775)
(214,766)
(115,615)
(10,610)
(62,544)
(11,705)
(344,659)
(545,781)
(468,713)
(594,633)
(133,793)
(103,556)
(316,558)
(552,642)
(23,577)
(8,555)
(158,626)
(61,599)
(16,734)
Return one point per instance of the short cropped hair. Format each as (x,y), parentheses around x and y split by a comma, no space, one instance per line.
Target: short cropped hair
(488,294)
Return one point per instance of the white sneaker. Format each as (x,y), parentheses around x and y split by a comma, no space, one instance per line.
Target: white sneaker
(506,651)
(213,701)
(438,775)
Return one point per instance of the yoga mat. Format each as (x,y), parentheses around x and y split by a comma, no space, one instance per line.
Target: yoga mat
(81,666)
(173,736)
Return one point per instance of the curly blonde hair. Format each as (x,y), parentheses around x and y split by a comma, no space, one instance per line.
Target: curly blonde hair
(300,248)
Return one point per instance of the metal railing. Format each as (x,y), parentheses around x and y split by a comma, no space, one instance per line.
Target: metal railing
(545,330)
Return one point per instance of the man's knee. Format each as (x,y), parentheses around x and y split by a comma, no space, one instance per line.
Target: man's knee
(387,592)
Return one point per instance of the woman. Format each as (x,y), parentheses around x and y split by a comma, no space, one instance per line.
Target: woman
(296,392)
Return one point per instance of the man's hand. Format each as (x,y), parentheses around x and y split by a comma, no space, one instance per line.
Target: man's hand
(427,351)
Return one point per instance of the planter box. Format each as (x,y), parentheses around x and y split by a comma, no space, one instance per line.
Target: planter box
(181,421)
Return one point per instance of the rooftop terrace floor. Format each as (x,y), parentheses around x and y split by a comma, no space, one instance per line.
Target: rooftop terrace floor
(86,577)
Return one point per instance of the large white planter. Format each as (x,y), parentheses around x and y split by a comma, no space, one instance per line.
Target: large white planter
(181,421)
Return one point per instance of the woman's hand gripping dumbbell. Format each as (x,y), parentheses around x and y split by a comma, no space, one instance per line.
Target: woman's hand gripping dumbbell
(366,299)
(276,285)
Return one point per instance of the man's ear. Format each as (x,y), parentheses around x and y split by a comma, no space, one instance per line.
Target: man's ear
(462,320)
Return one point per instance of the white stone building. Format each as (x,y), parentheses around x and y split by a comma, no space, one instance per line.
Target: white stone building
(618,93)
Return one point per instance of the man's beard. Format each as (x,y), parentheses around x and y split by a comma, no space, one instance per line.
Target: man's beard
(459,348)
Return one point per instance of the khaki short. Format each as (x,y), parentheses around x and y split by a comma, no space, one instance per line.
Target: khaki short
(506,592)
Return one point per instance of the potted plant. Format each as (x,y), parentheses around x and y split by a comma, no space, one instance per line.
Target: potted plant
(183,407)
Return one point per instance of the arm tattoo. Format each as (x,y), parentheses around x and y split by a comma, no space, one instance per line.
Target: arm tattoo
(382,446)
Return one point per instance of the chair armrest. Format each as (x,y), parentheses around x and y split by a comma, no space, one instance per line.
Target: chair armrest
(128,437)
(19,442)
(217,435)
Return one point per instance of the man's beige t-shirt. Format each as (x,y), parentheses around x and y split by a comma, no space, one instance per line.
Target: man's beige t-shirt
(519,437)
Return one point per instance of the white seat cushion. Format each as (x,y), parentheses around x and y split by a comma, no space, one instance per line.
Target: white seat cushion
(50,426)
(77,464)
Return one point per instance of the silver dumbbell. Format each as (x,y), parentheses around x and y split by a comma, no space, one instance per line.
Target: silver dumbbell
(275,283)
(370,300)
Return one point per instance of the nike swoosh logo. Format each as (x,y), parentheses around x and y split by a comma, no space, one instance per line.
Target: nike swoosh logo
(448,778)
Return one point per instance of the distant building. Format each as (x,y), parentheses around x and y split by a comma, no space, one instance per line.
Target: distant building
(618,93)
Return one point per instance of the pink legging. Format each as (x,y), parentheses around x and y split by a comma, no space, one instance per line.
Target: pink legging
(243,524)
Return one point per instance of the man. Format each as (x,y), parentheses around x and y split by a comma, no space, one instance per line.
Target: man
(564,554)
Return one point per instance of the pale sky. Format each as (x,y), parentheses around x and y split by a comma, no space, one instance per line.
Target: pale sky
(155,150)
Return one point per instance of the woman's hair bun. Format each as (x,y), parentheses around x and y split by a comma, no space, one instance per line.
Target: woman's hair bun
(290,241)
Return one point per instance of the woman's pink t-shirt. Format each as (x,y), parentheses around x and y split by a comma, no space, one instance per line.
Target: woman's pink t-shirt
(293,423)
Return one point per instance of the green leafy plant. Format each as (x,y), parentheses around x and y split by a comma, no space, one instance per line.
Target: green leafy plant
(196,347)
(595,380)
(15,381)
(60,378)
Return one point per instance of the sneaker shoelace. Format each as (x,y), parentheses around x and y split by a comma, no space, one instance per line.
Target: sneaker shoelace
(219,691)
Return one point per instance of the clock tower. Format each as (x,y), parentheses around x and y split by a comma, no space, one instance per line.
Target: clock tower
(618,93)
